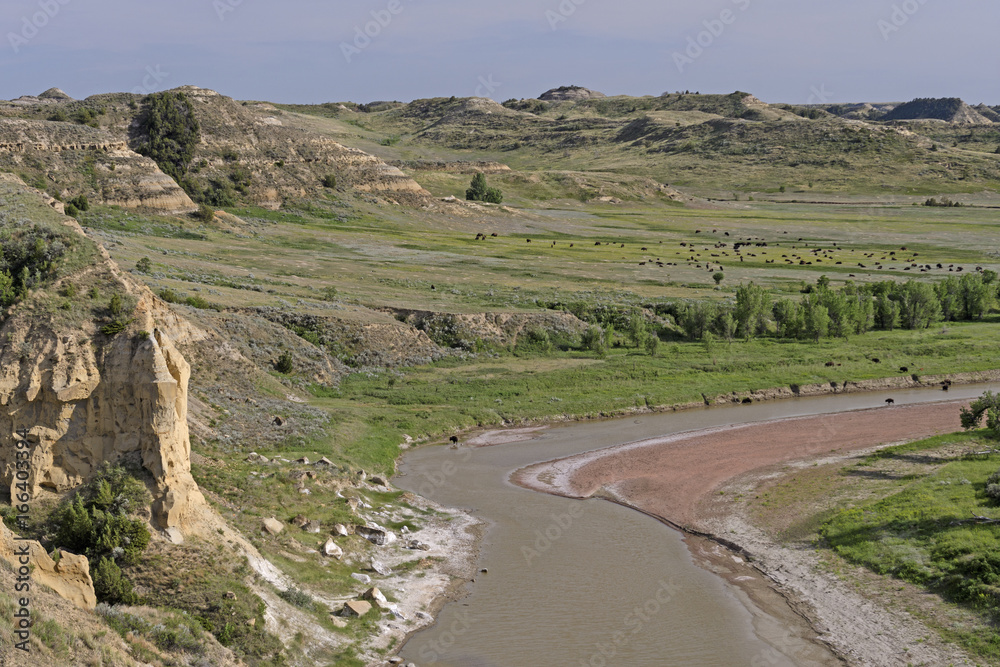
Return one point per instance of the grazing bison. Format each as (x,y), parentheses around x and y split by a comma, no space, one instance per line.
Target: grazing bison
(454,439)
(876,361)
(830,364)
(904,369)
(944,387)
(889,401)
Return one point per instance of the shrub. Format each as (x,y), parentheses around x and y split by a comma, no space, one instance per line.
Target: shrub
(80,202)
(595,340)
(144,265)
(168,132)
(297,598)
(169,295)
(97,523)
(329,181)
(284,363)
(71,211)
(204,213)
(480,191)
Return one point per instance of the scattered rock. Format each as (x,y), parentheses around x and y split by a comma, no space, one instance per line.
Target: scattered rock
(324,462)
(375,595)
(363,578)
(230,595)
(417,545)
(304,460)
(332,550)
(362,475)
(379,481)
(313,527)
(341,530)
(339,622)
(254,457)
(381,568)
(174,535)
(356,608)
(300,521)
(376,535)
(272,526)
(353,503)
(424,616)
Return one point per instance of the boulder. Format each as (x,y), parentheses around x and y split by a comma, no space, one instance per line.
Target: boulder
(272,526)
(376,535)
(304,460)
(356,608)
(254,457)
(375,595)
(381,568)
(300,521)
(332,550)
(69,578)
(417,545)
(324,462)
(379,481)
(363,578)
(341,530)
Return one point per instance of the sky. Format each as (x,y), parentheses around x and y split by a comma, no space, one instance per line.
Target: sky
(314,51)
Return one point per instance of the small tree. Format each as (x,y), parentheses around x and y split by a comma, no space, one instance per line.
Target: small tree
(652,344)
(144,265)
(329,181)
(284,363)
(480,191)
(718,277)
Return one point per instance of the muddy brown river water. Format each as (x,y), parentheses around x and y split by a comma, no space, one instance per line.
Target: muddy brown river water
(588,582)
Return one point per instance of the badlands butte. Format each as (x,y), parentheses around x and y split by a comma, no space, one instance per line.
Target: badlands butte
(225,321)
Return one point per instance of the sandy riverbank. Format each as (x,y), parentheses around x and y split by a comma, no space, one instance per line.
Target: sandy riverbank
(674,479)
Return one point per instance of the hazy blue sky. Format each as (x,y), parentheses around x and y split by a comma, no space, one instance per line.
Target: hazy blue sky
(316,50)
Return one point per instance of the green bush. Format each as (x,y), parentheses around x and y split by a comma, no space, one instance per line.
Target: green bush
(297,598)
(144,265)
(80,202)
(204,213)
(480,191)
(284,363)
(169,295)
(329,181)
(98,523)
(168,132)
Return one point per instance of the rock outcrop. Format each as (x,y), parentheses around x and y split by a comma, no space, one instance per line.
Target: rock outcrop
(69,578)
(118,175)
(83,398)
(569,93)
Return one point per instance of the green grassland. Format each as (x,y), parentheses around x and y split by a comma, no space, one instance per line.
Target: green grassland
(922,532)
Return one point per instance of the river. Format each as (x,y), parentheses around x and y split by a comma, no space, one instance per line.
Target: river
(588,582)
